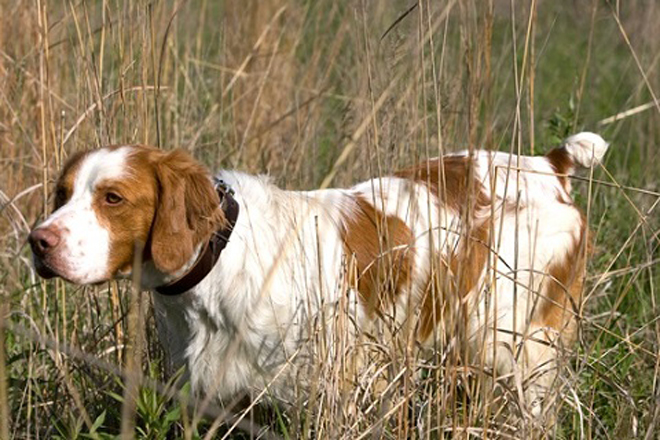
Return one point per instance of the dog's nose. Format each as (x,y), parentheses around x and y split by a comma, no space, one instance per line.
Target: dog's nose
(43,240)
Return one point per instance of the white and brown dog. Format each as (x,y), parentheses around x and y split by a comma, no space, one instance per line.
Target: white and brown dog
(239,276)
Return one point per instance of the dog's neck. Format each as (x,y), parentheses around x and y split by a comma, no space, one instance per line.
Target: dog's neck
(151,278)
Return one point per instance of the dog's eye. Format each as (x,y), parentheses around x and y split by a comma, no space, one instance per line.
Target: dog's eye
(113,198)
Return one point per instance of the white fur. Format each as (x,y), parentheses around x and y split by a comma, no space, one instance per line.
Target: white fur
(587,149)
(520,180)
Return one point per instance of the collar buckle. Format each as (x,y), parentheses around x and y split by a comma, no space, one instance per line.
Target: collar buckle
(221,185)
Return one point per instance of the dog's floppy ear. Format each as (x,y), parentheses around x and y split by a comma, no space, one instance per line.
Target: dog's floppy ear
(187,212)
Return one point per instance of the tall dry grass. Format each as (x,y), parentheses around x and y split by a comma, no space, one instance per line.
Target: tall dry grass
(319,93)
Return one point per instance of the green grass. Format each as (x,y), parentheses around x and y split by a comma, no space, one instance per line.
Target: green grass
(288,106)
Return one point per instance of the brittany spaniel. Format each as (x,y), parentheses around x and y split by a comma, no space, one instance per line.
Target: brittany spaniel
(244,274)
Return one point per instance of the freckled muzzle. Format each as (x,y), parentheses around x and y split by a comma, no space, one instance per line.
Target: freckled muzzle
(60,251)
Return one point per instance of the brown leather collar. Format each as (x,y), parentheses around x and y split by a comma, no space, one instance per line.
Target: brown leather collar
(212,249)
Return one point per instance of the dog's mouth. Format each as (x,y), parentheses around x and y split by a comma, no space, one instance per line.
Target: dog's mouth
(48,270)
(44,269)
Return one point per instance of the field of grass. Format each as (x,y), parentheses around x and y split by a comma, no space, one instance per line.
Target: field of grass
(318,92)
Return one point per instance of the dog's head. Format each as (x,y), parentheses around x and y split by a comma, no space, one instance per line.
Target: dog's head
(111,201)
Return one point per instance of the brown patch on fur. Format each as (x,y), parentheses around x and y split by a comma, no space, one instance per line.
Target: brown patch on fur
(187,213)
(455,279)
(450,179)
(561,291)
(434,301)
(382,252)
(562,163)
(64,186)
(468,262)
(129,222)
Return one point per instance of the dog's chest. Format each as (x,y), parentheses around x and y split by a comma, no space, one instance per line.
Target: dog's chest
(223,354)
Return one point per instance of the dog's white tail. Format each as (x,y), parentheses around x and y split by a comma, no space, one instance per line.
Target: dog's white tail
(586,149)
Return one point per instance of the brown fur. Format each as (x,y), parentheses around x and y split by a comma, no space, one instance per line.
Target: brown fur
(452,181)
(129,223)
(380,247)
(562,287)
(188,210)
(562,163)
(64,186)
(434,301)
(458,276)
